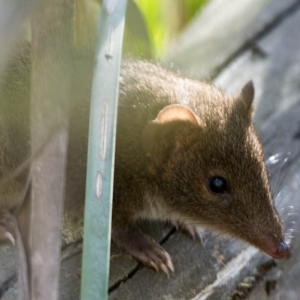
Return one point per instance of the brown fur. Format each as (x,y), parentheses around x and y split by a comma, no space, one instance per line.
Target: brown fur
(173,160)
(163,162)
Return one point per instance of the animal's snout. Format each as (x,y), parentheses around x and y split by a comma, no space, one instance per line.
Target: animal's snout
(282,250)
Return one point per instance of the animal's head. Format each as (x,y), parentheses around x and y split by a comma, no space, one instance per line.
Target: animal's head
(210,167)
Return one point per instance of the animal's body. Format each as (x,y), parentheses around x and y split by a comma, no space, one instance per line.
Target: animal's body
(188,153)
(185,152)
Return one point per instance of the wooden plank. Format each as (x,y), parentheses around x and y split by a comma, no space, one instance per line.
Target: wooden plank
(222,30)
(121,264)
(8,269)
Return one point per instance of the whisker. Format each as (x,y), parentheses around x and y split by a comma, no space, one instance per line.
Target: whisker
(283,209)
(290,214)
(276,163)
(291,230)
(292,227)
(219,234)
(280,157)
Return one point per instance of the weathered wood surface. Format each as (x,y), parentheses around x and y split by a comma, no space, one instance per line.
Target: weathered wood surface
(223,30)
(214,270)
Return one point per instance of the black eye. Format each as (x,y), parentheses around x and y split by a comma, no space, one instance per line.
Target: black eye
(217,185)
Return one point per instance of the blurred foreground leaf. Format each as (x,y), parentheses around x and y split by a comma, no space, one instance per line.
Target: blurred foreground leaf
(164,20)
(137,41)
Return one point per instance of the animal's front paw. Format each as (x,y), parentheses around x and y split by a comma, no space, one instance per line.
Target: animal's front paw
(151,254)
(7,227)
(193,230)
(143,248)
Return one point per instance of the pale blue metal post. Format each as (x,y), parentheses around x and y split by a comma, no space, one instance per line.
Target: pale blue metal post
(100,170)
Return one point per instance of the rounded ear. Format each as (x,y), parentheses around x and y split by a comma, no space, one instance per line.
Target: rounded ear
(176,112)
(160,135)
(247,95)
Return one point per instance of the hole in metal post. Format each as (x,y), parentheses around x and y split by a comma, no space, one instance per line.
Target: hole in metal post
(103,137)
(109,45)
(99,185)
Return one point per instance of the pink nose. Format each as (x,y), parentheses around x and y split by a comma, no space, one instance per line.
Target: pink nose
(282,250)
